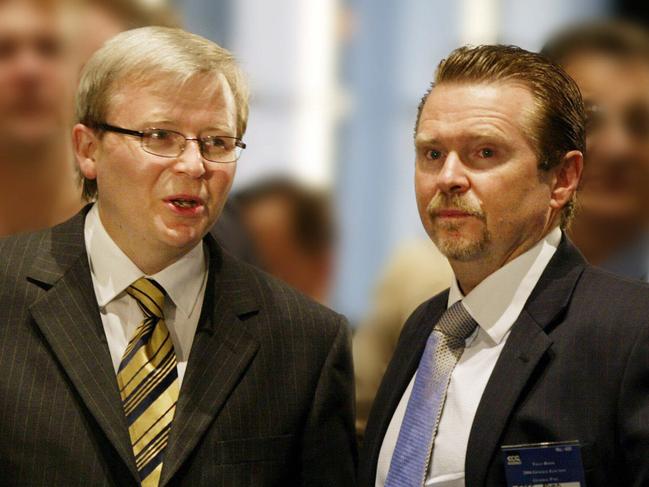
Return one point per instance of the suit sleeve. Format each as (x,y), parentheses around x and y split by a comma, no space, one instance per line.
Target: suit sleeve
(634,412)
(329,455)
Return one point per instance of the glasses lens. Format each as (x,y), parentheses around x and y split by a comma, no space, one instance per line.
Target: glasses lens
(164,143)
(219,148)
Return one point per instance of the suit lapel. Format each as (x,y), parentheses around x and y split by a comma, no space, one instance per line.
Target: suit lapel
(221,353)
(68,317)
(524,349)
(521,356)
(397,377)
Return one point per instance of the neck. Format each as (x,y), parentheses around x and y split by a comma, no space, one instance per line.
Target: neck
(152,263)
(38,188)
(149,256)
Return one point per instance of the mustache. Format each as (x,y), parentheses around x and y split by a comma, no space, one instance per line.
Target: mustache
(442,201)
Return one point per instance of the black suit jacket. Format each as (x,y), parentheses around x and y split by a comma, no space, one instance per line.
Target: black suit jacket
(575,367)
(267,397)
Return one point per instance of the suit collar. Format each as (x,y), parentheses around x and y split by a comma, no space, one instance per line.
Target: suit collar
(523,353)
(68,316)
(60,248)
(497,301)
(227,280)
(113,271)
(553,292)
(221,353)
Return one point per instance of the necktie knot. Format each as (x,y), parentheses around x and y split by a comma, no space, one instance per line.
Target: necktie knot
(456,322)
(149,295)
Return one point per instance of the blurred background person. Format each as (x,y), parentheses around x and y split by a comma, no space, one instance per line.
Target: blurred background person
(292,233)
(43,45)
(415,272)
(102,19)
(610,63)
(38,185)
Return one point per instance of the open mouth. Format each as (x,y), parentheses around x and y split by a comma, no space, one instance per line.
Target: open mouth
(183,203)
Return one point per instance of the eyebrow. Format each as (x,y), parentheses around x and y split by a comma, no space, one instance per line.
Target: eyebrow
(157,124)
(424,141)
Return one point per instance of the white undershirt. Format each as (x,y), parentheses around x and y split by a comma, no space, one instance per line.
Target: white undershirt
(112,272)
(494,304)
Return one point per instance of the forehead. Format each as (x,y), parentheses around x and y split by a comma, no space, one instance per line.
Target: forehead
(502,108)
(203,96)
(26,17)
(607,79)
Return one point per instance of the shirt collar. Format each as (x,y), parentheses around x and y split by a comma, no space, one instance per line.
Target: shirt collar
(113,271)
(498,300)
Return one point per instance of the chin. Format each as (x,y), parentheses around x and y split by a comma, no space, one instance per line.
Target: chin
(183,236)
(462,248)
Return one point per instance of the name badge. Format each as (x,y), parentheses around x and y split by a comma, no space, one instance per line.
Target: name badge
(544,464)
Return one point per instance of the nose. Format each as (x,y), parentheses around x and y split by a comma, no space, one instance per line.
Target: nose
(452,178)
(610,142)
(28,65)
(191,161)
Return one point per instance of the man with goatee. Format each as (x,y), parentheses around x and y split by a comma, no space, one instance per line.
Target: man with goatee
(533,367)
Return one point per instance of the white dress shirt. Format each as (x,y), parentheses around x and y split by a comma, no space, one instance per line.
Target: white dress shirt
(494,304)
(112,272)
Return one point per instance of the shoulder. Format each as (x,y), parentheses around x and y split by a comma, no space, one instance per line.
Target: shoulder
(605,314)
(607,295)
(282,306)
(19,252)
(45,253)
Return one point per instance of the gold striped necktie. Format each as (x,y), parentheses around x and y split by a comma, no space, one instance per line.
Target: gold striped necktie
(148,382)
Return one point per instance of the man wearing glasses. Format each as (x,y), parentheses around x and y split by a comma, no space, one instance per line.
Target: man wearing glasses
(135,351)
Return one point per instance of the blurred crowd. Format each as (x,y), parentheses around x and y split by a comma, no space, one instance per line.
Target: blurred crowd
(289,229)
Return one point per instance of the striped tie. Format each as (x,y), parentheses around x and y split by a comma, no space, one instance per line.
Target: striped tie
(148,382)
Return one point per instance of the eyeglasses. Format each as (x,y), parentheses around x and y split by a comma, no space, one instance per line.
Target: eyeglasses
(169,143)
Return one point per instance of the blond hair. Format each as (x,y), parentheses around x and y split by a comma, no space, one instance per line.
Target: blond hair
(146,56)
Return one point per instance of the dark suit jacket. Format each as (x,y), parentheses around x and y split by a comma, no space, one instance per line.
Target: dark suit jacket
(575,367)
(267,397)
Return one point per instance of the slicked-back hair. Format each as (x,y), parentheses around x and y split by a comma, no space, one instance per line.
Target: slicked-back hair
(558,122)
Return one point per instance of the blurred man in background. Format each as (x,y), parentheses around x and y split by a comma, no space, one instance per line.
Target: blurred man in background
(292,232)
(416,271)
(102,19)
(43,45)
(38,185)
(610,63)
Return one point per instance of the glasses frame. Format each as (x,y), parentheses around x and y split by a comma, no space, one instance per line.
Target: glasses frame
(142,134)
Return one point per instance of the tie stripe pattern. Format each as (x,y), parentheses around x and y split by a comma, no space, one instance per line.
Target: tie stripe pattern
(412,454)
(148,382)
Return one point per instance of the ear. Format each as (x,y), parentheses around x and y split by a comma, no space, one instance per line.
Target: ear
(85,144)
(566,179)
